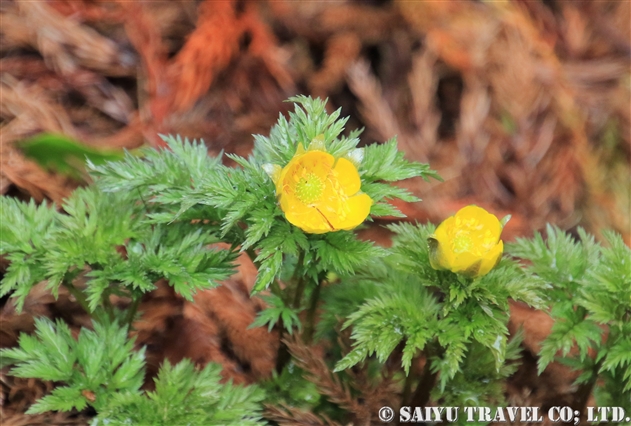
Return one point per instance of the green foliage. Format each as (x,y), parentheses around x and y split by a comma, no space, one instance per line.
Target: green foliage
(183,183)
(166,172)
(158,215)
(343,252)
(185,396)
(607,288)
(42,243)
(478,382)
(291,388)
(282,238)
(178,253)
(341,299)
(308,122)
(401,312)
(64,155)
(110,237)
(24,228)
(155,215)
(385,163)
(94,368)
(559,260)
(101,369)
(590,298)
(439,313)
(275,312)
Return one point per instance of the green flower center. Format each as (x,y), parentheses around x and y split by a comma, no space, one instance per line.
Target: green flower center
(462,242)
(309,188)
(470,236)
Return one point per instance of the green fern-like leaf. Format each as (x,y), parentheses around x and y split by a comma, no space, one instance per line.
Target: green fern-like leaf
(185,396)
(275,312)
(101,362)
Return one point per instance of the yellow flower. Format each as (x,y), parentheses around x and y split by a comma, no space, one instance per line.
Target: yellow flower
(320,194)
(467,243)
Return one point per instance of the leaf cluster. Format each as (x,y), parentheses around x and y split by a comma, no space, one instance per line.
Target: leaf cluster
(478,383)
(99,364)
(292,388)
(182,396)
(239,202)
(277,312)
(108,241)
(377,164)
(400,312)
(440,313)
(382,164)
(101,369)
(590,302)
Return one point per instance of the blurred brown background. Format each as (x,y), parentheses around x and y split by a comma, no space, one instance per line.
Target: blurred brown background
(522,106)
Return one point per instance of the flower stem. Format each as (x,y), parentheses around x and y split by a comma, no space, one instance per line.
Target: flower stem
(131,313)
(407,387)
(275,286)
(109,308)
(421,395)
(300,289)
(299,275)
(252,255)
(313,306)
(79,296)
(284,356)
(584,391)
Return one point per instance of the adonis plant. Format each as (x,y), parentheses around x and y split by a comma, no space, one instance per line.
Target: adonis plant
(423,322)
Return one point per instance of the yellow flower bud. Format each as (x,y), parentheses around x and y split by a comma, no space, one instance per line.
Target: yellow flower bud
(467,243)
(319,193)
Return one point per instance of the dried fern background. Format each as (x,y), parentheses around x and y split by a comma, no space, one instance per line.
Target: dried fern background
(522,107)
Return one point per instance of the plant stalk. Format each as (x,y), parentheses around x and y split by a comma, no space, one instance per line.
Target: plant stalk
(79,296)
(421,395)
(284,356)
(252,255)
(300,286)
(131,313)
(407,386)
(109,308)
(584,391)
(313,306)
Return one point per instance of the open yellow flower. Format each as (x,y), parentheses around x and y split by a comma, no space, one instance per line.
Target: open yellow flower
(320,194)
(467,243)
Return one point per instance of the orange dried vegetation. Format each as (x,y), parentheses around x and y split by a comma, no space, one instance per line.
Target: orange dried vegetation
(207,51)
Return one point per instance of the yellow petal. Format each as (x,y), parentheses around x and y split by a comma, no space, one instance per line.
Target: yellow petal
(317,162)
(491,259)
(467,243)
(445,255)
(309,219)
(288,201)
(347,176)
(463,261)
(357,210)
(318,193)
(487,220)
